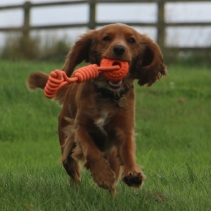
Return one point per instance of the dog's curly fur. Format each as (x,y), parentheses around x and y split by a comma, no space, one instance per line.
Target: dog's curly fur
(93,128)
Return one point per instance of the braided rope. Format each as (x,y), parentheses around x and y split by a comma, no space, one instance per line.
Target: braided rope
(58,78)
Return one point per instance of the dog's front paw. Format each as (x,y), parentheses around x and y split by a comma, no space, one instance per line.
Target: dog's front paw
(103,175)
(134,179)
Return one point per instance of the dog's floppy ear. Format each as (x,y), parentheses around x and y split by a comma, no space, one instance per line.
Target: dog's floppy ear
(150,66)
(79,52)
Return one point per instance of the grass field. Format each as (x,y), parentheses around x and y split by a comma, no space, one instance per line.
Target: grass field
(173,125)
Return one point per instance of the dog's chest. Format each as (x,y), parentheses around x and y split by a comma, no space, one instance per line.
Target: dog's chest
(101,120)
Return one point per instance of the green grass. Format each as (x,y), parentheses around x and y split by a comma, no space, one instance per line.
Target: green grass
(173,145)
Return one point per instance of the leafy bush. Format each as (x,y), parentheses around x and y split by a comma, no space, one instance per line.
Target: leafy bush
(35,48)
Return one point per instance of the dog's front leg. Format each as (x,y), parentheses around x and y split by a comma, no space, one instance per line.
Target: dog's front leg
(132,175)
(99,167)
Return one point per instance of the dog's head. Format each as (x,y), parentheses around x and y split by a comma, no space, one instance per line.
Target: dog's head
(119,42)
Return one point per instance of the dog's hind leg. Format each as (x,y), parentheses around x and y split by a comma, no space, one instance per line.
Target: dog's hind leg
(73,169)
(114,162)
(66,137)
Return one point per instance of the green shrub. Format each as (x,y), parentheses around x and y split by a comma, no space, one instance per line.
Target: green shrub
(35,48)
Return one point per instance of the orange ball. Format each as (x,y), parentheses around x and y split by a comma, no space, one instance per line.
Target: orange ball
(115,75)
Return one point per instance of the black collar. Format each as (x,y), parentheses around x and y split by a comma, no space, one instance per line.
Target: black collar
(107,93)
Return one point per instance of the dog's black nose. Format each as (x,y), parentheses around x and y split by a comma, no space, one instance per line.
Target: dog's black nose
(119,50)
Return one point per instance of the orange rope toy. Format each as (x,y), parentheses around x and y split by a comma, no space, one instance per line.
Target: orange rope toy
(112,70)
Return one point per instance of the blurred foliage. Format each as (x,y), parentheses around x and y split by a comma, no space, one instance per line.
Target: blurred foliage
(18,48)
(35,48)
(52,48)
(201,58)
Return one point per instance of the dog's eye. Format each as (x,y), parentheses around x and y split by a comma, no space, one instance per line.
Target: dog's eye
(106,38)
(131,40)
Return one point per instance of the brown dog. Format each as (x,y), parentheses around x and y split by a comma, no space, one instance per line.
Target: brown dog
(94,126)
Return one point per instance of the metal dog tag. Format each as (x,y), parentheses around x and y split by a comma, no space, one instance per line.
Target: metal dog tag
(122,102)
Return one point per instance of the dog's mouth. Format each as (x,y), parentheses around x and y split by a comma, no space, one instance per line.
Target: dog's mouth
(115,85)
